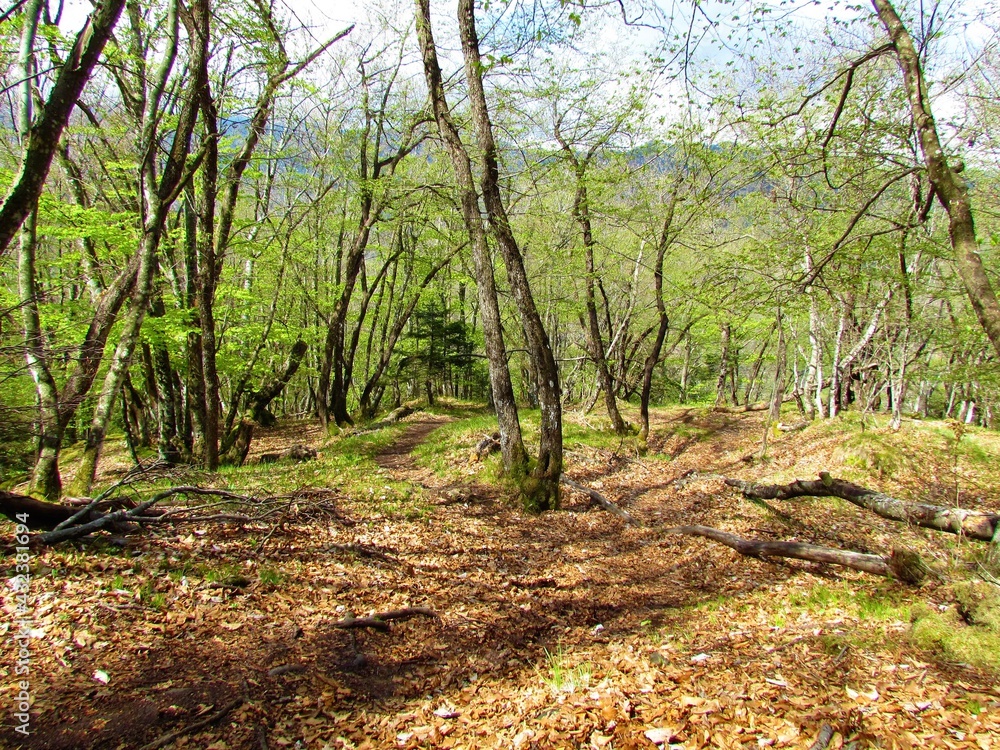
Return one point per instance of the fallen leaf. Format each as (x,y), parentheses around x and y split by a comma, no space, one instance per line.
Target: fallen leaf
(660,735)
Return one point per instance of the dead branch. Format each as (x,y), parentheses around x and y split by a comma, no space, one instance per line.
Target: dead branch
(171,736)
(131,514)
(794,427)
(970,523)
(903,565)
(381,620)
(598,498)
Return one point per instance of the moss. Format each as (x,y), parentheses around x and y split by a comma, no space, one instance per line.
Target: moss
(979,604)
(947,634)
(873,453)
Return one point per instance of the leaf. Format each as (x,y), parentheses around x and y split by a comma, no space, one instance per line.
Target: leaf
(660,735)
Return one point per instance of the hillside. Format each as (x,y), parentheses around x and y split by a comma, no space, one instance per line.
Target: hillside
(569,629)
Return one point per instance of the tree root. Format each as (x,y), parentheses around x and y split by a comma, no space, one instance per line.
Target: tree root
(171,736)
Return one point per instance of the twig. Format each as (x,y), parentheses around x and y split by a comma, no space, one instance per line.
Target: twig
(59,535)
(170,737)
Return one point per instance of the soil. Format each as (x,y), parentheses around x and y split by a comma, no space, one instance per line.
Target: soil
(565,630)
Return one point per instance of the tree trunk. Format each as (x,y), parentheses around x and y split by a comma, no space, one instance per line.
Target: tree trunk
(950,189)
(813,386)
(236,444)
(663,322)
(720,384)
(542,492)
(592,327)
(502,390)
(158,188)
(43,140)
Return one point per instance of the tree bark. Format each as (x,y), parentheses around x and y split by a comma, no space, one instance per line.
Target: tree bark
(43,140)
(158,194)
(662,320)
(237,443)
(974,524)
(542,492)
(592,327)
(720,383)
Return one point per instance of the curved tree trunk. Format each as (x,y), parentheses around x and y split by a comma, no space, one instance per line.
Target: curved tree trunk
(950,189)
(663,321)
(43,140)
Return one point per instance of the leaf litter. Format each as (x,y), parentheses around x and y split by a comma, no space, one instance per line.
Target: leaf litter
(569,630)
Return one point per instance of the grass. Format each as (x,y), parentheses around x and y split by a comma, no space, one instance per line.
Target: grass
(563,677)
(453,442)
(270,577)
(882,602)
(874,453)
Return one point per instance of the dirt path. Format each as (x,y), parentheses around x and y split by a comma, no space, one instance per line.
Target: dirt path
(397,457)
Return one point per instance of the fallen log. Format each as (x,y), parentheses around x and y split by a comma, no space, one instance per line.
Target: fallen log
(902,564)
(744,408)
(35,514)
(598,498)
(394,417)
(486,446)
(971,523)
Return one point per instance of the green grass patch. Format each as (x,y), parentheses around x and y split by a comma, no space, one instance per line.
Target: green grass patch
(270,577)
(451,443)
(563,677)
(881,603)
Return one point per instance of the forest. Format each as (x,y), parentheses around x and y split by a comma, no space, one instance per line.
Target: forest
(508,324)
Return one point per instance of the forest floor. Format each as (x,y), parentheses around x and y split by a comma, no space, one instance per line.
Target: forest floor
(564,630)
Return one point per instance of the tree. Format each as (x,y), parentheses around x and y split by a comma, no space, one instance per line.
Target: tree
(948,187)
(511,443)
(42,142)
